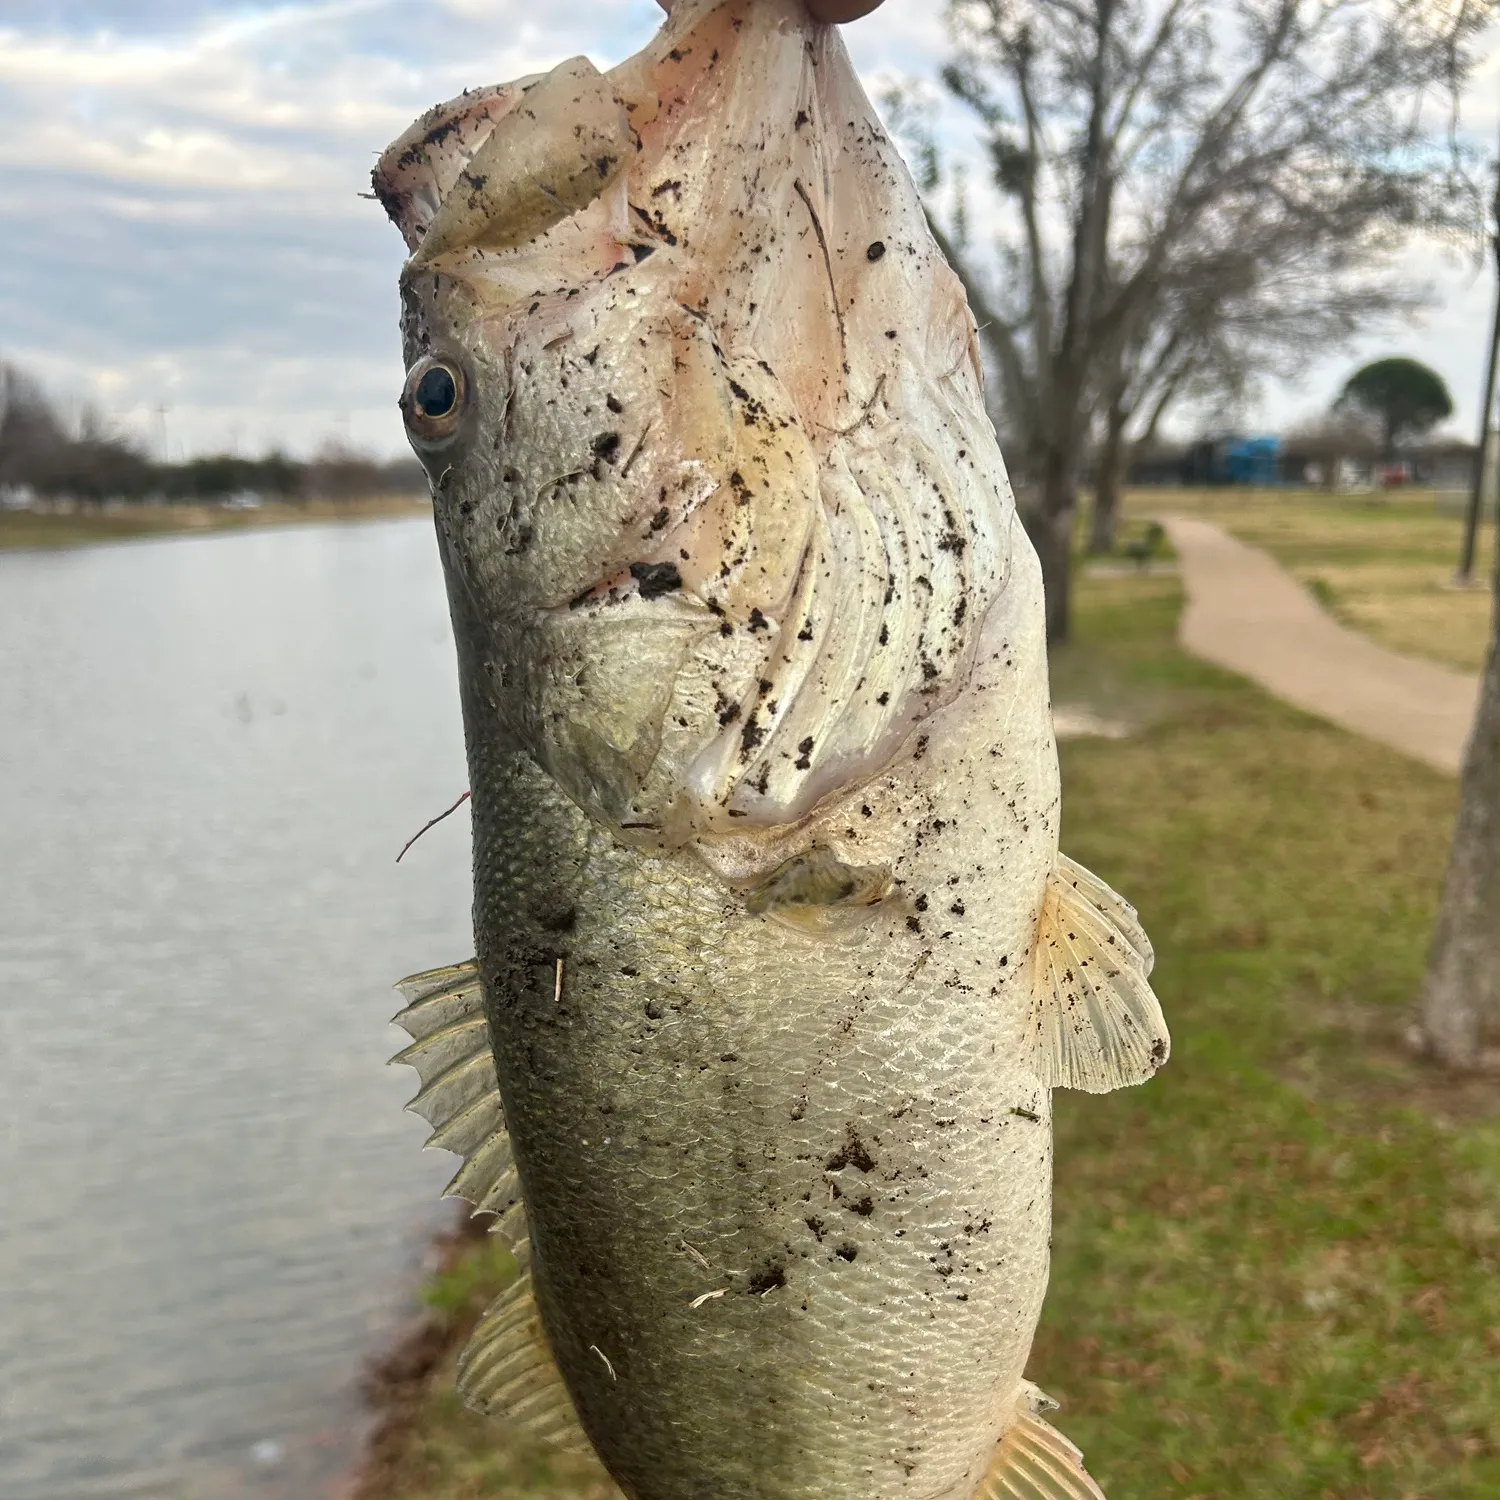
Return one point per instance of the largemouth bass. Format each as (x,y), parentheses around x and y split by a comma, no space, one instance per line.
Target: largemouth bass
(777,959)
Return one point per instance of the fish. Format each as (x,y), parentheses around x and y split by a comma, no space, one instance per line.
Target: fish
(777,961)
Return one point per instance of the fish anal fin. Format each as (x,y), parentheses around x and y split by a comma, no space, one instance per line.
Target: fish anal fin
(1035,1461)
(507,1371)
(1095,1024)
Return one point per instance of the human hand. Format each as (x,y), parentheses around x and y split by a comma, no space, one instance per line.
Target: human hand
(841,10)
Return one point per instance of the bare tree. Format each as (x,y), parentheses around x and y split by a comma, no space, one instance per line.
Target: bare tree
(1176,176)
(90,462)
(1260,309)
(1331,441)
(30,432)
(1461,993)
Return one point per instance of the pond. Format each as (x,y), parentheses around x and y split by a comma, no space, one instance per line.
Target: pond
(214,1207)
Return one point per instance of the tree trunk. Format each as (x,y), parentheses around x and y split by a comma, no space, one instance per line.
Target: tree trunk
(1047,514)
(1104,519)
(1461,992)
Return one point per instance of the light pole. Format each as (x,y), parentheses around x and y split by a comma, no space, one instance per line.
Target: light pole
(1486,406)
(161,429)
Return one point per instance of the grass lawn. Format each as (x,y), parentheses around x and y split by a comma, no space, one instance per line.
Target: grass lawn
(1277,1266)
(1382,563)
(23,528)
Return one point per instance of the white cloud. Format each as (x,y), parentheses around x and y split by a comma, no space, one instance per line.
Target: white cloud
(179,210)
(168,157)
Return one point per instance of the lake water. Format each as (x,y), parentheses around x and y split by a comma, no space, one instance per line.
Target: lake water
(212,1206)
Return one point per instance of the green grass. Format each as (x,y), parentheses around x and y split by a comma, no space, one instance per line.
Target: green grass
(1277,1266)
(1381,563)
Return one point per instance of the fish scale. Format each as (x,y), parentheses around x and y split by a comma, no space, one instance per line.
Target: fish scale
(777,960)
(901,1346)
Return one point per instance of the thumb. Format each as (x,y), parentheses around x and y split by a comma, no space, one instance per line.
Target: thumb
(840,10)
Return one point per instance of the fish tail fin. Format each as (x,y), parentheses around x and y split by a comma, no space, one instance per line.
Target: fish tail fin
(507,1370)
(1034,1460)
(1095,1023)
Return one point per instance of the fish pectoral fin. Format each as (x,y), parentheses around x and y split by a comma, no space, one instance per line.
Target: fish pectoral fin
(460,1097)
(507,1371)
(1035,1461)
(815,891)
(1095,1023)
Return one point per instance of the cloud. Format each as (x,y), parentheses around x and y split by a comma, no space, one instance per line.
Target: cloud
(180,219)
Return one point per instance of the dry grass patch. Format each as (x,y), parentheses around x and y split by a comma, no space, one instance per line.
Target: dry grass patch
(1383,566)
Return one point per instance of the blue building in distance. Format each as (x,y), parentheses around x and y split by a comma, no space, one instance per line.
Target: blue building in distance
(1233,460)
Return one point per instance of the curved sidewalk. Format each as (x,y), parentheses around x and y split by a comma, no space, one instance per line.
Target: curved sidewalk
(1245,612)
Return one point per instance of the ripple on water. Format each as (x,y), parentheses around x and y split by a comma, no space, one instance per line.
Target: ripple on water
(210,751)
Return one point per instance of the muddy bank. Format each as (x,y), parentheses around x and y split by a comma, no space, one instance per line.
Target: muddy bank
(87,526)
(396,1381)
(424,1445)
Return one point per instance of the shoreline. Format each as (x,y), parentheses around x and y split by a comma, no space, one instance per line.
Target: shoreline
(421,1442)
(52,531)
(395,1382)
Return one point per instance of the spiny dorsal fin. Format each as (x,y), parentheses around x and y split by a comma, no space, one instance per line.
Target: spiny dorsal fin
(459,1096)
(507,1371)
(1095,1023)
(1035,1461)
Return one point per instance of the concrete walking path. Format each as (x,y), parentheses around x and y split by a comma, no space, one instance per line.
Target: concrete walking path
(1246,613)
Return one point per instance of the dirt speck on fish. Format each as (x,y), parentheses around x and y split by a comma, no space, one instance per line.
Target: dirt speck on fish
(777,960)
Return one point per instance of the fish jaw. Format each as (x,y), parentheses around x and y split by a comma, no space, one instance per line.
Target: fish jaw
(422,166)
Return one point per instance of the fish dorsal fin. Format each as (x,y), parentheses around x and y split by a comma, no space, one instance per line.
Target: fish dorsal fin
(507,1371)
(1035,1461)
(459,1097)
(1095,1023)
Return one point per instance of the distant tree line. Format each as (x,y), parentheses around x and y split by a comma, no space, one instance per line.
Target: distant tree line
(42,453)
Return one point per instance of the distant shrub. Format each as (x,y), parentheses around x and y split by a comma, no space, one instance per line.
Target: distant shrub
(39,453)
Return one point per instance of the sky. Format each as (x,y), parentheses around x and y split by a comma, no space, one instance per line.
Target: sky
(183,244)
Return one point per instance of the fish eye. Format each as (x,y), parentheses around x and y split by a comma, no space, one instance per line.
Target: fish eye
(436,393)
(433,399)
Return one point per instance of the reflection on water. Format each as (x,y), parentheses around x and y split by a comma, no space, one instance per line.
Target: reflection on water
(210,751)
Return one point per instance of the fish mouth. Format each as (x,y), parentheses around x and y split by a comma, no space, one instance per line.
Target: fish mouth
(494,169)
